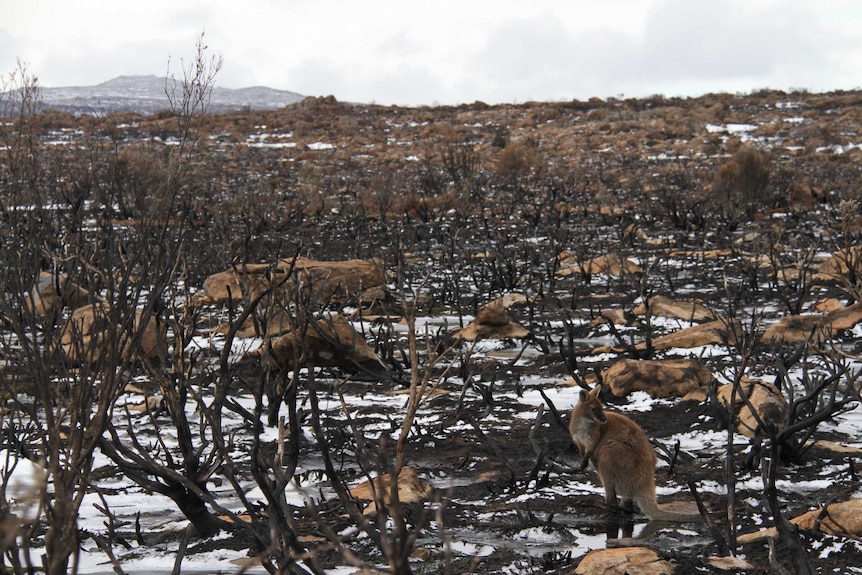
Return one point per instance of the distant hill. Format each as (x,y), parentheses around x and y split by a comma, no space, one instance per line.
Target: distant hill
(146,95)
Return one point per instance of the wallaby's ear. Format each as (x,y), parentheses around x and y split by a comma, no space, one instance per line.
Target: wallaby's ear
(583,395)
(594,392)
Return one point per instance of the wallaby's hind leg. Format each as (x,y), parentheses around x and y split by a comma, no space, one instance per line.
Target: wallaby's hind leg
(610,494)
(628,505)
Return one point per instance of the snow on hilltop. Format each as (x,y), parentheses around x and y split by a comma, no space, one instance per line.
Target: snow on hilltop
(146,95)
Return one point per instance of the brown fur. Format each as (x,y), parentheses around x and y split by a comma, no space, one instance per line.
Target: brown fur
(621,454)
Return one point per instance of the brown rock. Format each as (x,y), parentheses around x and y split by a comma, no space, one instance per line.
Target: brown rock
(52,292)
(277,323)
(719,331)
(614,316)
(828,304)
(328,342)
(842,519)
(668,378)
(731,563)
(492,322)
(702,254)
(819,327)
(688,310)
(509,300)
(610,264)
(349,281)
(411,489)
(768,403)
(91,332)
(837,269)
(624,561)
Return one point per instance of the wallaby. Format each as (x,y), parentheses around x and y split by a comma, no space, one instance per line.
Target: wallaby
(621,454)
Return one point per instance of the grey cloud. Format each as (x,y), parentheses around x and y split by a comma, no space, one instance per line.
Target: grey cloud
(728,39)
(527,59)
(134,58)
(722,43)
(408,84)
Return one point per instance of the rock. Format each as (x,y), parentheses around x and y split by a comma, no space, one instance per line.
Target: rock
(614,316)
(343,282)
(151,404)
(841,519)
(624,561)
(730,563)
(768,402)
(827,305)
(91,331)
(702,254)
(492,322)
(277,323)
(53,291)
(837,447)
(668,378)
(411,489)
(716,332)
(611,264)
(328,342)
(689,310)
(819,327)
(509,300)
(845,266)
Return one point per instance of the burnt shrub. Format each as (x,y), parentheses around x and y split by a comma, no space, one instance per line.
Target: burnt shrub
(741,185)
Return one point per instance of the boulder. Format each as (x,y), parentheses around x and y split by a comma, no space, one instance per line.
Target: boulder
(611,264)
(702,254)
(411,489)
(827,305)
(91,331)
(842,519)
(687,310)
(492,322)
(844,266)
(768,402)
(52,292)
(341,282)
(716,332)
(328,342)
(277,323)
(624,561)
(616,317)
(819,327)
(667,378)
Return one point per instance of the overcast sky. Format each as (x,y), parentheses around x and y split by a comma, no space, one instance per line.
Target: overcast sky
(448,51)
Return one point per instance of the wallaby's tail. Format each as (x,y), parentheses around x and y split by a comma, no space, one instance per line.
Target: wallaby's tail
(658,512)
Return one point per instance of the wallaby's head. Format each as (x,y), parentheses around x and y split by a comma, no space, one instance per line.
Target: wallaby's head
(590,407)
